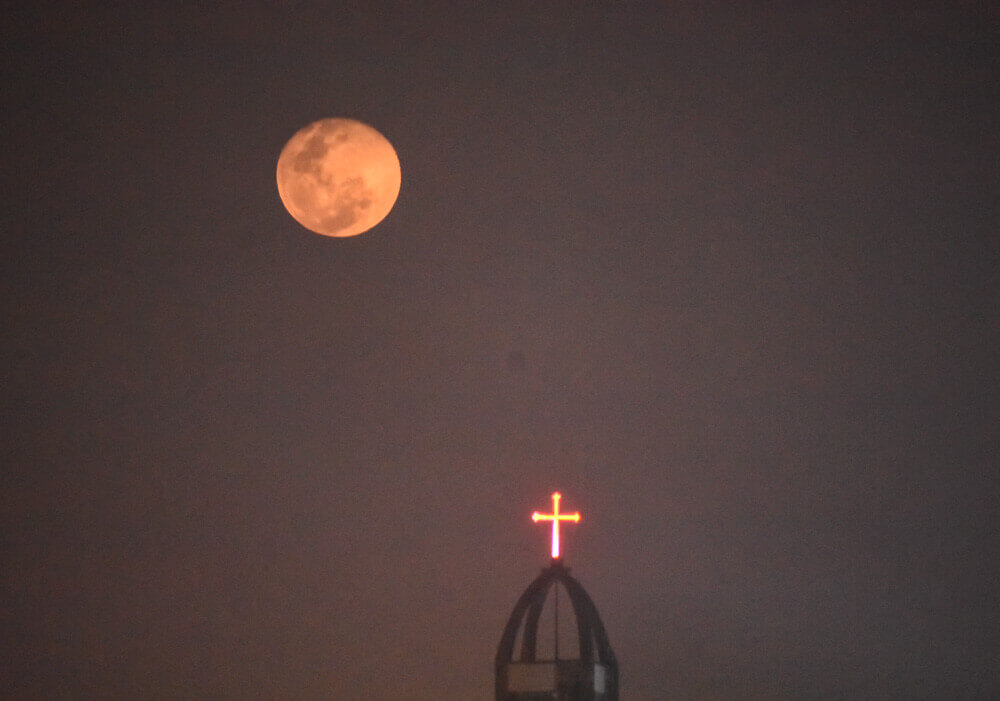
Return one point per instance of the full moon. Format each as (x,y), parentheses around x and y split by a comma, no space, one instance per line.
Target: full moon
(338,177)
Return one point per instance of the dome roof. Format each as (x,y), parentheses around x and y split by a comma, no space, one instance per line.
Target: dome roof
(594,648)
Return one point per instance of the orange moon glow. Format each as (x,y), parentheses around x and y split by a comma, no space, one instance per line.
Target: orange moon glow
(338,177)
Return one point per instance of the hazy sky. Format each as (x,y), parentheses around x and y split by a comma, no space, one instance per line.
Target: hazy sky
(726,277)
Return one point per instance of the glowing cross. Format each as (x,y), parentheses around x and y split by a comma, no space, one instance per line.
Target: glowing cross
(555,517)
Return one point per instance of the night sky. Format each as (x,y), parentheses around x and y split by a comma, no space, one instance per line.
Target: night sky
(727,277)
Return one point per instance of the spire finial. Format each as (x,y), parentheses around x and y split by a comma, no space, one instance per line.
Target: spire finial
(555,517)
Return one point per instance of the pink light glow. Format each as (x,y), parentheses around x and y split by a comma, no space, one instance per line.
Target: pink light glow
(555,517)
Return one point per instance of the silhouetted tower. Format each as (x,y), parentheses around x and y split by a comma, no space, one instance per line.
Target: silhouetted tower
(527,668)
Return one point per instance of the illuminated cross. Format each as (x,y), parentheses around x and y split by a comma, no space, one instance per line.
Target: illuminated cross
(555,517)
